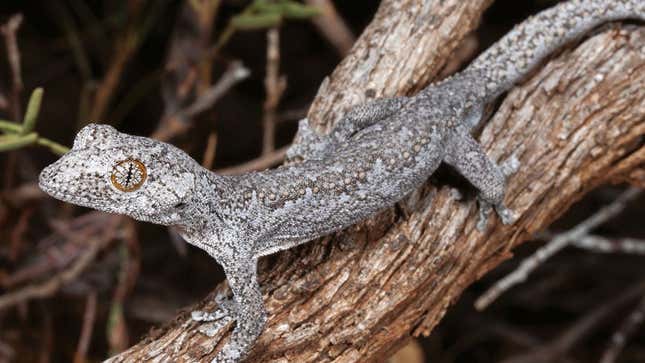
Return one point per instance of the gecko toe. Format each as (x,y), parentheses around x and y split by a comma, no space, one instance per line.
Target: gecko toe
(205,316)
(226,308)
(484,211)
(212,328)
(507,216)
(510,165)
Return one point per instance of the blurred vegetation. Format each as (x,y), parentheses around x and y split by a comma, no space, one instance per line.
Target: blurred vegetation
(17,135)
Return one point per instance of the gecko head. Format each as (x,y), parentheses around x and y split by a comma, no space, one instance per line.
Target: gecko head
(113,172)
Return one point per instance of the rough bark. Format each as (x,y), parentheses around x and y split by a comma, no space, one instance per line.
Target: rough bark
(578,122)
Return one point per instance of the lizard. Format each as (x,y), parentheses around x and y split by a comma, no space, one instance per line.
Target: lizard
(377,153)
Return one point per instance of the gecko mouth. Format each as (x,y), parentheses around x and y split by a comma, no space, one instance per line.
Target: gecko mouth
(46,187)
(65,196)
(49,183)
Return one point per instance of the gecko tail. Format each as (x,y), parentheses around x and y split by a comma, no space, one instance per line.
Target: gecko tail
(518,52)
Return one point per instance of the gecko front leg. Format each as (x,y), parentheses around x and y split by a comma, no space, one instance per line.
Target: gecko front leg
(246,308)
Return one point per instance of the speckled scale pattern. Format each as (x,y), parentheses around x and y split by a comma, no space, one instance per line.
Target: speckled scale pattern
(534,39)
(376,154)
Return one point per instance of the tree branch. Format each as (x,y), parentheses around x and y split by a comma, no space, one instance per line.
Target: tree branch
(359,295)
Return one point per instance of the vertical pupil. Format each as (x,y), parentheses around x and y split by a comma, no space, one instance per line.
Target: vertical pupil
(129,176)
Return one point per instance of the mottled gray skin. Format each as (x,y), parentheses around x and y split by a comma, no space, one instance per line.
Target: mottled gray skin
(376,154)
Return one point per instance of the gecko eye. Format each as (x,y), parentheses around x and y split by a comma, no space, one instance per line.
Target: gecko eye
(128,175)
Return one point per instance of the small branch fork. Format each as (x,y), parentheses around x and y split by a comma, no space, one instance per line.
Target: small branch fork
(558,242)
(177,123)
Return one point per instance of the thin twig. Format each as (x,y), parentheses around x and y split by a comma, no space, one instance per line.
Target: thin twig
(274,84)
(562,343)
(624,332)
(58,250)
(4,103)
(124,49)
(209,152)
(54,283)
(73,39)
(601,244)
(606,245)
(7,353)
(9,31)
(18,232)
(125,46)
(260,163)
(173,126)
(233,75)
(556,244)
(206,13)
(118,337)
(293,114)
(332,26)
(86,330)
(47,345)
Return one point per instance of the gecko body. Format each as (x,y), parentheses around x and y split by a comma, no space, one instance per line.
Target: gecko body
(376,154)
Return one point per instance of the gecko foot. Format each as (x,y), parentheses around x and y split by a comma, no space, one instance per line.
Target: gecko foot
(228,354)
(456,193)
(210,329)
(484,211)
(506,215)
(510,165)
(217,319)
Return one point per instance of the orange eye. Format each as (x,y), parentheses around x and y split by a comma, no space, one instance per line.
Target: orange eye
(128,175)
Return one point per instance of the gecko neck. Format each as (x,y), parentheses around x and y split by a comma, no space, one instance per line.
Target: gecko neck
(201,216)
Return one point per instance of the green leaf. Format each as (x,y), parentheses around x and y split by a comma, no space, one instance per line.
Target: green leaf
(294,10)
(12,142)
(54,147)
(8,126)
(33,108)
(263,6)
(256,21)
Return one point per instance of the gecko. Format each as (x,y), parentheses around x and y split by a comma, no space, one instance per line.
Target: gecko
(375,155)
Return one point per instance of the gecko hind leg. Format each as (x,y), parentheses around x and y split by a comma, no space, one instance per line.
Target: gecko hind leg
(310,144)
(466,155)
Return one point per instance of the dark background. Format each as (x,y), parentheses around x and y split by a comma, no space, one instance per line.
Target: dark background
(172,275)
